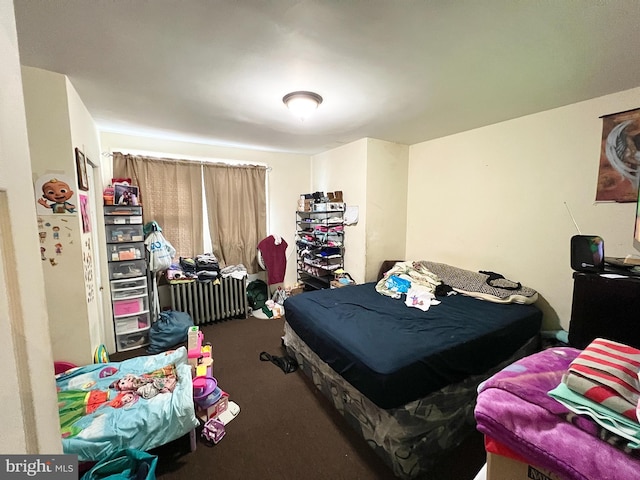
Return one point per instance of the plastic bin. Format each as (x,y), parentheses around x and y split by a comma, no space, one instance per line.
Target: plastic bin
(132,340)
(126,251)
(130,306)
(122,210)
(121,270)
(132,324)
(122,220)
(124,233)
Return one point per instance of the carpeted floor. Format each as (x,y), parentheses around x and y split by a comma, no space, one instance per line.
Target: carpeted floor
(286,429)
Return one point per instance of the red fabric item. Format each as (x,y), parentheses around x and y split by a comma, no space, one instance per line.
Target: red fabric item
(493,446)
(275,258)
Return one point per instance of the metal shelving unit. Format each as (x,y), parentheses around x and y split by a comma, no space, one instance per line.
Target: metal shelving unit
(319,243)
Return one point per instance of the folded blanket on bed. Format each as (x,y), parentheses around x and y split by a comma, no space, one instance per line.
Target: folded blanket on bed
(513,407)
(410,273)
(430,275)
(485,285)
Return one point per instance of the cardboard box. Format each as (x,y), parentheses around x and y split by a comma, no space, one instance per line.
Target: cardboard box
(504,468)
(304,204)
(296,291)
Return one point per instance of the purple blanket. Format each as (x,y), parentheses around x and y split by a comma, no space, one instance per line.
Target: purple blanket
(513,408)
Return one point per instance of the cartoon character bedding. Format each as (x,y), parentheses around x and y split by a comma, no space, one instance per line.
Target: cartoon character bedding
(139,403)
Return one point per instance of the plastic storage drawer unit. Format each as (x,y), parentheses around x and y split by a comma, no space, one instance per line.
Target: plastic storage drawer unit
(132,324)
(130,306)
(122,220)
(120,270)
(122,210)
(132,340)
(125,251)
(126,288)
(124,233)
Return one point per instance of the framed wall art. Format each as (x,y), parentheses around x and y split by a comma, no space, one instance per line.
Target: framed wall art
(81,167)
(618,171)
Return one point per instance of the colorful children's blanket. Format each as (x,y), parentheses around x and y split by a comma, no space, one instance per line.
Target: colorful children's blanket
(514,408)
(140,403)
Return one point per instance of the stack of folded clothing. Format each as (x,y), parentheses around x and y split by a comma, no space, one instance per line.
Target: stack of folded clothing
(203,268)
(176,273)
(602,383)
(207,267)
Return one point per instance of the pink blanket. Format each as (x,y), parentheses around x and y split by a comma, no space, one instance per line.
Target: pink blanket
(513,408)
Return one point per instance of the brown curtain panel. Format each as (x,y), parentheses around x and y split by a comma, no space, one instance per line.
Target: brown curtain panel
(170,192)
(237,212)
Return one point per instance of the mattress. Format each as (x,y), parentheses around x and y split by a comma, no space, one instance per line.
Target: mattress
(394,354)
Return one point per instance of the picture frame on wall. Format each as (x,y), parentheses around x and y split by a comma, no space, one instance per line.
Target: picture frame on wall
(618,170)
(81,167)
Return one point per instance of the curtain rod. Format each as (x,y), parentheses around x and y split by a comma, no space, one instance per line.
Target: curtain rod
(201,162)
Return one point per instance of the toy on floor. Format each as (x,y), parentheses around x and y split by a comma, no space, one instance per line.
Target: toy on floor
(213,431)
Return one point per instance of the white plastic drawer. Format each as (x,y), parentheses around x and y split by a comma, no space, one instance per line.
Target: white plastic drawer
(125,251)
(129,283)
(122,220)
(121,270)
(131,306)
(124,233)
(132,324)
(122,210)
(129,341)
(128,293)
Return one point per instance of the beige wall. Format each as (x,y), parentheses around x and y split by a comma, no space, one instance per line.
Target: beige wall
(57,122)
(387,170)
(345,168)
(494,198)
(372,175)
(289,176)
(29,416)
(84,135)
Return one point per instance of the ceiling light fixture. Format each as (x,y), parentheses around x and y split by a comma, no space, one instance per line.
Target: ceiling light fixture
(302,103)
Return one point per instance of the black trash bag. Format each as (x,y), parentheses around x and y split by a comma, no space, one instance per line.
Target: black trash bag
(169,330)
(257,294)
(287,364)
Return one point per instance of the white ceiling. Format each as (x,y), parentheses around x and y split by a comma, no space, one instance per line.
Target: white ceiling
(215,71)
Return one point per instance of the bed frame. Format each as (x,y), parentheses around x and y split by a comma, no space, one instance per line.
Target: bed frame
(409,439)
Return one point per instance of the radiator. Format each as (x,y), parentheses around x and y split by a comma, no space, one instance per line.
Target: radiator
(209,302)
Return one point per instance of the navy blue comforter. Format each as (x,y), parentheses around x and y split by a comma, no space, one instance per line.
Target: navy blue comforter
(394,354)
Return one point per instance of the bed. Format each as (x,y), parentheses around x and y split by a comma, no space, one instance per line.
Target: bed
(405,378)
(139,403)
